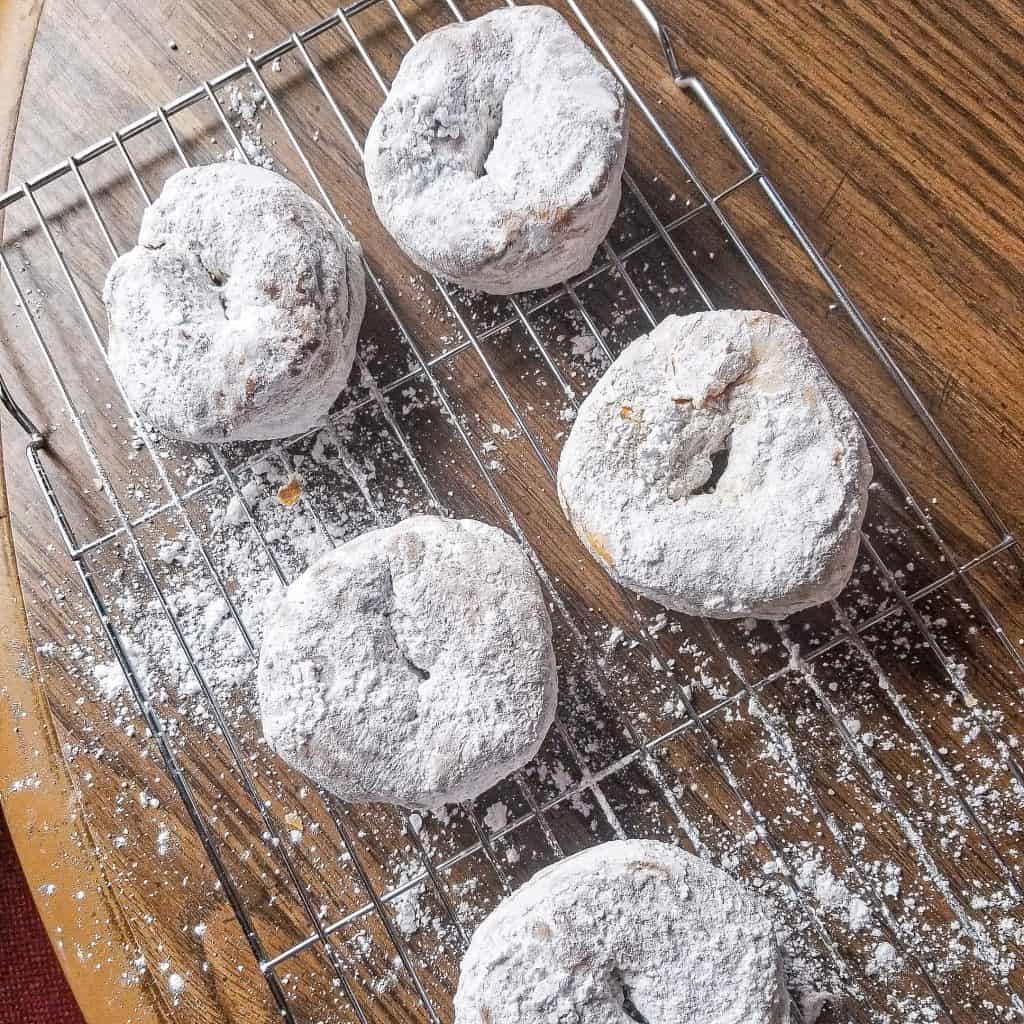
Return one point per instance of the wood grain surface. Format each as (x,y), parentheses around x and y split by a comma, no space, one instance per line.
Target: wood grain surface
(894,131)
(46,817)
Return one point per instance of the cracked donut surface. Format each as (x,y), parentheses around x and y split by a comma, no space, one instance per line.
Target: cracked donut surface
(633,930)
(716,469)
(412,665)
(496,159)
(236,315)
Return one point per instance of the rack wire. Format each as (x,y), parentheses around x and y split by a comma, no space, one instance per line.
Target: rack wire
(807,664)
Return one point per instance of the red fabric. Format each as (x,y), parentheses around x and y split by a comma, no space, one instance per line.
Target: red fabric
(32,987)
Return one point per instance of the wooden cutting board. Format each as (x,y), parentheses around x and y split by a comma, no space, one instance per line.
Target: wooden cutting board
(50,831)
(893,128)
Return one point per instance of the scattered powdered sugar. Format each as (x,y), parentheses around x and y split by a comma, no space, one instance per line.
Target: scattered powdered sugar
(244,109)
(585,345)
(845,895)
(831,895)
(110,679)
(883,958)
(411,910)
(838,895)
(496,817)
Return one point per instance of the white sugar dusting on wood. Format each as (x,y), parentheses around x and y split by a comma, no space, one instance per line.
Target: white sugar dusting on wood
(879,902)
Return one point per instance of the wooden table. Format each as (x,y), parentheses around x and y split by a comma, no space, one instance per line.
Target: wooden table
(894,131)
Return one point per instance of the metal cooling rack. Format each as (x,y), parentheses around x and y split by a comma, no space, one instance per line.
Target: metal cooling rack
(522,313)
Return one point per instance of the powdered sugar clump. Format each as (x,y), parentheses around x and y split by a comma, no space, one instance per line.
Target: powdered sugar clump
(244,108)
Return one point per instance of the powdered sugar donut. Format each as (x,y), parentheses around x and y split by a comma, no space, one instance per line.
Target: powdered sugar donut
(496,160)
(236,315)
(634,930)
(717,469)
(412,665)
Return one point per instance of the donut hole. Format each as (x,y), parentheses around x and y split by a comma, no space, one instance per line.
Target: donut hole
(219,279)
(417,670)
(421,673)
(490,120)
(719,463)
(629,1008)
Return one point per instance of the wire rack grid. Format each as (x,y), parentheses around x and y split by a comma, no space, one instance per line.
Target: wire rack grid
(700,723)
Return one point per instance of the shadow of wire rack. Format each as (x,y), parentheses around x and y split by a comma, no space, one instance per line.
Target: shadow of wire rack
(807,758)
